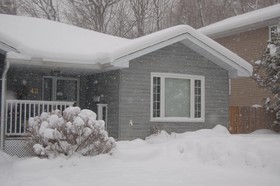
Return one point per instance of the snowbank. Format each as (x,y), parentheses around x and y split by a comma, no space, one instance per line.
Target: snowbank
(211,157)
(4,157)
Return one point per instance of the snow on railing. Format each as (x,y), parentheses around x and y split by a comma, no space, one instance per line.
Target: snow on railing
(18,113)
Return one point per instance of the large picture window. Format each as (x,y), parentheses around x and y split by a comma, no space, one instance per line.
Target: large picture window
(177,97)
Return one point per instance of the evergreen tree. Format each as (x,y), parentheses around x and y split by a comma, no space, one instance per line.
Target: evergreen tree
(268,71)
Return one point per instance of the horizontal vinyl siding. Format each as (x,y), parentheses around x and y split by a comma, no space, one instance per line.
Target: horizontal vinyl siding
(135,83)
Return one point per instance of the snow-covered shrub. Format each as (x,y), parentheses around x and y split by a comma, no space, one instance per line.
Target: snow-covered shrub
(73,131)
(155,129)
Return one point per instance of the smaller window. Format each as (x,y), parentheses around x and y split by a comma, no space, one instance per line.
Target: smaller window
(177,97)
(156,97)
(197,101)
(60,89)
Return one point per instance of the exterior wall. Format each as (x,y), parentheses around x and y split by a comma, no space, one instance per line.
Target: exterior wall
(135,91)
(105,86)
(250,46)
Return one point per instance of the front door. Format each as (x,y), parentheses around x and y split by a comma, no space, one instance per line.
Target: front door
(60,89)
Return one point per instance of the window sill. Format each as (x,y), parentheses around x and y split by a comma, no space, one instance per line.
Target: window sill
(177,119)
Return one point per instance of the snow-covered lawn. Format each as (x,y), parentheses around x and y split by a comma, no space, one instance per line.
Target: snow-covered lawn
(205,157)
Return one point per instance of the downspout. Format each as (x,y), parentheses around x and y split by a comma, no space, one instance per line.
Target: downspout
(3,103)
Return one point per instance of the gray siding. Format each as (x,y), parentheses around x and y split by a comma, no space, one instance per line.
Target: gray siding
(106,85)
(135,91)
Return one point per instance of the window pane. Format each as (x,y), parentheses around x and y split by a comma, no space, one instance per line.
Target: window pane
(156,96)
(66,90)
(197,101)
(48,89)
(177,97)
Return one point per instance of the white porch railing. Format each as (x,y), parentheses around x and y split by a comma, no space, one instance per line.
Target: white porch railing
(18,113)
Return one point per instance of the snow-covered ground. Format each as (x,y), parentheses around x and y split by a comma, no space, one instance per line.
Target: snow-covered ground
(202,158)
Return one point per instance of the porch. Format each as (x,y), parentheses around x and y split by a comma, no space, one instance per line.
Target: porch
(27,92)
(31,91)
(16,118)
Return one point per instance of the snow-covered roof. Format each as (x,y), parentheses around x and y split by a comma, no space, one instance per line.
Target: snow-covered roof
(249,21)
(34,41)
(53,41)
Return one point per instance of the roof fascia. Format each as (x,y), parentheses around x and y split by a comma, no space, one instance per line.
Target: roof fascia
(7,48)
(38,62)
(194,43)
(242,28)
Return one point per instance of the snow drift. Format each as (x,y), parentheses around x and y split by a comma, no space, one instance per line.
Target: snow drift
(211,157)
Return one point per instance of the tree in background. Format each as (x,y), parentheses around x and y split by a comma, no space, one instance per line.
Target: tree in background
(91,14)
(132,18)
(199,13)
(160,13)
(8,7)
(47,9)
(268,72)
(141,11)
(122,23)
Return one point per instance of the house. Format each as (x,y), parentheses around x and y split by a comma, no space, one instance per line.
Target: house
(247,35)
(175,79)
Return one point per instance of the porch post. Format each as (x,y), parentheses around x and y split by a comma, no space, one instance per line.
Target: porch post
(101,113)
(3,104)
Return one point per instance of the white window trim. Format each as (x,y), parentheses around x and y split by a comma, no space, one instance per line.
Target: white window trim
(162,96)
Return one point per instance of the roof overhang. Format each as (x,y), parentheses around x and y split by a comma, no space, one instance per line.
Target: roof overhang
(242,23)
(7,48)
(242,28)
(15,59)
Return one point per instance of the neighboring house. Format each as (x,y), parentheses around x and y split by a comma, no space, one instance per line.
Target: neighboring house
(176,79)
(247,35)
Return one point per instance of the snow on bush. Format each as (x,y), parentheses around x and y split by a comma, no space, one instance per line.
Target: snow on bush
(267,73)
(74,131)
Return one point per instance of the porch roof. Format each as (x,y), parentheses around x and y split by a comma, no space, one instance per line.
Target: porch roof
(33,41)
